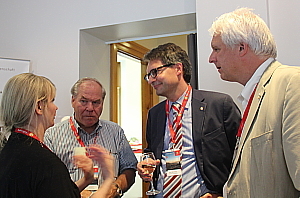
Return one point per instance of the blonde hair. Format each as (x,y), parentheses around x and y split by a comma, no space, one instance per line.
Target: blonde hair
(20,96)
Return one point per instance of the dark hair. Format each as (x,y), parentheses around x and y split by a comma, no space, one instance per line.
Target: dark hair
(171,53)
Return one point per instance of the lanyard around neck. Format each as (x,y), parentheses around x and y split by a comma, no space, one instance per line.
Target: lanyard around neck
(178,119)
(245,115)
(30,134)
(75,131)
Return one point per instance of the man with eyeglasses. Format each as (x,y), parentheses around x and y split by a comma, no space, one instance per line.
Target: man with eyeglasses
(84,128)
(208,123)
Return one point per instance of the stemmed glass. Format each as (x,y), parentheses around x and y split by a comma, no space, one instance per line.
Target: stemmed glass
(149,164)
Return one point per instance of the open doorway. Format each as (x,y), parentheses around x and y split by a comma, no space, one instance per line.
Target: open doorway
(129,93)
(131,98)
(129,108)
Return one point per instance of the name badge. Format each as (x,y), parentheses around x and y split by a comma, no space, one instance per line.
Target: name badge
(173,162)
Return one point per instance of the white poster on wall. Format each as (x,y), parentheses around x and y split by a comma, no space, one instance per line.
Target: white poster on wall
(10,68)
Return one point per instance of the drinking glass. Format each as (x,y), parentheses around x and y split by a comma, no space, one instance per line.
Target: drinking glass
(149,163)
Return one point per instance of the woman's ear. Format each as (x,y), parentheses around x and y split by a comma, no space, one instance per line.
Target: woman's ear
(39,108)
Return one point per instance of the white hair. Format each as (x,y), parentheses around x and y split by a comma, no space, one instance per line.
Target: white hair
(243,26)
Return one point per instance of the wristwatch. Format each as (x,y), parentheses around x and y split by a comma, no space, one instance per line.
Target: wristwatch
(119,190)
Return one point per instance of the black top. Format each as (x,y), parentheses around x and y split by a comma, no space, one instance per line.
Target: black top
(31,171)
(3,143)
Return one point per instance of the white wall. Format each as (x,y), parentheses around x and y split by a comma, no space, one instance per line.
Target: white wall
(94,62)
(47,33)
(285,26)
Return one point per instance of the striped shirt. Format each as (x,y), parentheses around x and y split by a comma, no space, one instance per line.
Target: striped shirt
(192,183)
(61,140)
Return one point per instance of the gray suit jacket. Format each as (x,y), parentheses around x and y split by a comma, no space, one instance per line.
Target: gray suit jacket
(267,162)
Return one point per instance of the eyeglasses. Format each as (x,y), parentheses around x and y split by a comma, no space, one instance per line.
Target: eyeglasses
(153,72)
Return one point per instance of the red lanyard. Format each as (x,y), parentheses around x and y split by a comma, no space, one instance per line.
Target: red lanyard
(245,115)
(30,134)
(177,121)
(76,133)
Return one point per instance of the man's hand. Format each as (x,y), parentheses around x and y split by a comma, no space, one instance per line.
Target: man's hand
(124,181)
(113,192)
(208,195)
(143,173)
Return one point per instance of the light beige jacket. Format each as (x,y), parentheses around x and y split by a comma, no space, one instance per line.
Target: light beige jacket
(267,162)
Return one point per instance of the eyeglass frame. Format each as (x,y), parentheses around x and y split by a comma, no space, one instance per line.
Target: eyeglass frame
(153,72)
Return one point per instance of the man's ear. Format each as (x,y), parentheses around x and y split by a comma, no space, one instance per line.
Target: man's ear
(243,49)
(72,99)
(179,68)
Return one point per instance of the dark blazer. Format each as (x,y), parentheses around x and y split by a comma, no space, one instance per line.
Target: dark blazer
(215,123)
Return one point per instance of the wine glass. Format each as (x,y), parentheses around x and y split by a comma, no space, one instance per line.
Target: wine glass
(149,164)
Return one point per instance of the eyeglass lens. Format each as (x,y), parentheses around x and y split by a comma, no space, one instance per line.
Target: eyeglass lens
(153,72)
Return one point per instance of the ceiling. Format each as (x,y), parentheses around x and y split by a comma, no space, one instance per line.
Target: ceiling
(152,28)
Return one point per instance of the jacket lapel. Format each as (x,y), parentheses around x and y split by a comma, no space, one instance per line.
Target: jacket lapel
(253,112)
(198,112)
(160,130)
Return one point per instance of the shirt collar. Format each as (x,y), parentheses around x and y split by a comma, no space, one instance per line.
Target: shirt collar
(82,130)
(180,99)
(249,87)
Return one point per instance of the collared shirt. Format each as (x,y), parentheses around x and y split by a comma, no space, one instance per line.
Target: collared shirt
(192,182)
(249,87)
(61,140)
(247,91)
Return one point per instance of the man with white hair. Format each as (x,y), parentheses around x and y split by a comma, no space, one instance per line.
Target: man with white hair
(267,158)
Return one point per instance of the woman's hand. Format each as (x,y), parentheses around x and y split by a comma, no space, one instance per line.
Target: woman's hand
(106,162)
(86,165)
(104,159)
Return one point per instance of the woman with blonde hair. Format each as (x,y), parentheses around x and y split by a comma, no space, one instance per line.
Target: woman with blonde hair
(28,167)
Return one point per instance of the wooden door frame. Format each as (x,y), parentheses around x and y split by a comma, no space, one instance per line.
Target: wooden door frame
(149,98)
